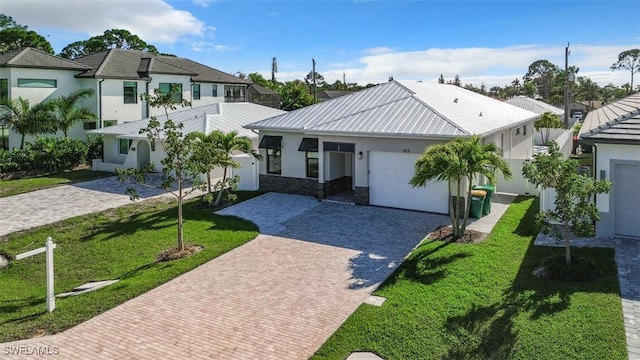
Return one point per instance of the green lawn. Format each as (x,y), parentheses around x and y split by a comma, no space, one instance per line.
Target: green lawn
(116,244)
(463,301)
(23,185)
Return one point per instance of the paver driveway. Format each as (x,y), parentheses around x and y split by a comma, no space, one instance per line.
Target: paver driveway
(280,296)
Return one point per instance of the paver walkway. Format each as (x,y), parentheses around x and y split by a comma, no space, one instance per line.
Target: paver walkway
(628,260)
(280,296)
(41,207)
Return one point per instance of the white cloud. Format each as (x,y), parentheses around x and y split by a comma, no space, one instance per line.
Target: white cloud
(203,3)
(154,21)
(493,66)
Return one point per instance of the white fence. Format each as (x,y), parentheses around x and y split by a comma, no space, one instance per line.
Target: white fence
(517,184)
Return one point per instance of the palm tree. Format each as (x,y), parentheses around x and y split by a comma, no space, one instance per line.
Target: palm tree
(68,112)
(460,160)
(26,119)
(208,155)
(547,121)
(228,143)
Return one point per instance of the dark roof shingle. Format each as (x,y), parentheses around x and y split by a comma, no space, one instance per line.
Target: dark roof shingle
(34,58)
(618,122)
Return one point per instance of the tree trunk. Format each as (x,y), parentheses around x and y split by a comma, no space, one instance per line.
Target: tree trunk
(22,142)
(452,212)
(567,246)
(467,208)
(456,230)
(180,228)
(209,181)
(219,197)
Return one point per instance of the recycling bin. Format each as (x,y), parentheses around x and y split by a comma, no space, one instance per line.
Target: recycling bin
(477,202)
(490,189)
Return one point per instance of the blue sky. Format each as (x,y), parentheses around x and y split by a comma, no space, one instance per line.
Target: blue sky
(490,42)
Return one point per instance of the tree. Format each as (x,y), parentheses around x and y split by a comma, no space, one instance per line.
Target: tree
(587,90)
(67,111)
(547,122)
(541,73)
(114,38)
(208,155)
(14,36)
(441,79)
(628,60)
(26,119)
(294,95)
(458,161)
(274,69)
(228,143)
(575,209)
(178,164)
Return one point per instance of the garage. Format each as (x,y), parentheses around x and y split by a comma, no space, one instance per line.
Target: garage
(389,175)
(627,200)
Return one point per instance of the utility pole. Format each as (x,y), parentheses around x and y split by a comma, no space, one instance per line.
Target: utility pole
(567,100)
(313,73)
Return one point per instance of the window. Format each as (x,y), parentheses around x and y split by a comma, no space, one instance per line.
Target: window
(124,145)
(90,125)
(196,91)
(4,138)
(339,147)
(214,90)
(4,90)
(130,92)
(234,93)
(524,130)
(273,144)
(175,89)
(108,123)
(38,83)
(312,164)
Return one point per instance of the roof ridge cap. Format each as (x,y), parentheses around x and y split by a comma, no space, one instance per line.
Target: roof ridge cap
(18,55)
(103,62)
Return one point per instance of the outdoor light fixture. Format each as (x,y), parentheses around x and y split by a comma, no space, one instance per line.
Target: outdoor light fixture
(359,155)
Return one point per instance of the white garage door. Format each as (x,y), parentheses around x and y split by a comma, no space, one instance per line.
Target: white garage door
(627,200)
(389,175)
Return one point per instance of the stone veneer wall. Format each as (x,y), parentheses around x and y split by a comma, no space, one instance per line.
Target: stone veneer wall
(362,195)
(288,185)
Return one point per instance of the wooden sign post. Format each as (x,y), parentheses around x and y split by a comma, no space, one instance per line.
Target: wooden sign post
(48,249)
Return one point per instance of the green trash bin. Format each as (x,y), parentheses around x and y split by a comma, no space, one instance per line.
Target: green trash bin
(490,189)
(477,202)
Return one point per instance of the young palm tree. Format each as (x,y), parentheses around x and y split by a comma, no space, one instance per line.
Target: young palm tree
(547,121)
(208,155)
(462,159)
(26,119)
(228,143)
(68,112)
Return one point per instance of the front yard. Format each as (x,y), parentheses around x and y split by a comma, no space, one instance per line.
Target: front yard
(115,244)
(464,301)
(28,184)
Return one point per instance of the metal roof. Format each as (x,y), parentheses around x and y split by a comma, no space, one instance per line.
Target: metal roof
(536,106)
(402,109)
(618,122)
(35,58)
(220,116)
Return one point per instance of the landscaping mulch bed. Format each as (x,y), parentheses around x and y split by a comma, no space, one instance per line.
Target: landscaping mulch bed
(445,234)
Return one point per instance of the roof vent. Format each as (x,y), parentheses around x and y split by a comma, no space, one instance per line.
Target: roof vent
(480,113)
(455,100)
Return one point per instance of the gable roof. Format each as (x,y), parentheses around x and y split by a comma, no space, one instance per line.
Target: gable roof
(134,64)
(219,116)
(618,122)
(536,106)
(403,109)
(35,58)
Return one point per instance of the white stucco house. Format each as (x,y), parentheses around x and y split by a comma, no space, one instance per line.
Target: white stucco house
(118,78)
(125,147)
(366,143)
(614,132)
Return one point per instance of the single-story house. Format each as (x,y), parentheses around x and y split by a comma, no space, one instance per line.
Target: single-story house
(614,132)
(125,147)
(366,143)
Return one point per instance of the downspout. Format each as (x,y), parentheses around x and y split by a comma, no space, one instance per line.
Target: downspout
(100,103)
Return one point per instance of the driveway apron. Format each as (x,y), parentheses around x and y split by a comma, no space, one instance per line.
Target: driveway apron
(279,296)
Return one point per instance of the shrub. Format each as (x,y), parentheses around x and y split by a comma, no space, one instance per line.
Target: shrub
(47,155)
(95,146)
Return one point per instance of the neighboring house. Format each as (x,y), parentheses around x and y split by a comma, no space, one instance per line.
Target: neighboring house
(614,133)
(366,143)
(125,147)
(260,95)
(118,77)
(36,75)
(325,95)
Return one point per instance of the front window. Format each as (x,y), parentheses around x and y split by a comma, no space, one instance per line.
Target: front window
(108,123)
(312,164)
(130,92)
(4,90)
(90,125)
(123,146)
(196,91)
(4,138)
(175,89)
(274,161)
(234,93)
(38,83)
(214,90)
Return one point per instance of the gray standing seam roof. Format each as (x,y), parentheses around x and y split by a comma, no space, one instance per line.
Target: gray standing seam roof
(536,106)
(618,122)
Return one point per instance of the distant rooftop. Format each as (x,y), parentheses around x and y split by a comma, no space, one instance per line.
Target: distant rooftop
(617,122)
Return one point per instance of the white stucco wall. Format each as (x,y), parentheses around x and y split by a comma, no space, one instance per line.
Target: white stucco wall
(206,95)
(605,155)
